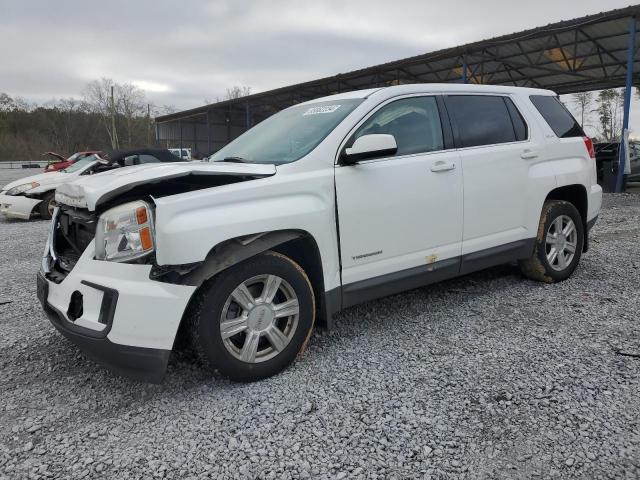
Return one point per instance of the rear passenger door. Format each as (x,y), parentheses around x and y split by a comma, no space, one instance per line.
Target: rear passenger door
(495,151)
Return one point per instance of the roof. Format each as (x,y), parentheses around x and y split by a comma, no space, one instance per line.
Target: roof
(586,53)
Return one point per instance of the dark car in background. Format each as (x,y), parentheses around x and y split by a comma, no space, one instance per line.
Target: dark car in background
(607,163)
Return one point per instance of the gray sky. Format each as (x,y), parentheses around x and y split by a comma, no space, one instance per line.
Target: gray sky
(182,52)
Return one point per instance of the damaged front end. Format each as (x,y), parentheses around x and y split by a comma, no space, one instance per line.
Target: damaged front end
(99,192)
(72,231)
(85,205)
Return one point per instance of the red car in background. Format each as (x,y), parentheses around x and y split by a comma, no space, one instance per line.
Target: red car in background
(61,163)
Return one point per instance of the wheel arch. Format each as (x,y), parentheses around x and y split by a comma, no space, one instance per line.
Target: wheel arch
(40,192)
(576,194)
(299,245)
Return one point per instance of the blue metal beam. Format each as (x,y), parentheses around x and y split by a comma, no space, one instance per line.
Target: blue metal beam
(627,102)
(464,69)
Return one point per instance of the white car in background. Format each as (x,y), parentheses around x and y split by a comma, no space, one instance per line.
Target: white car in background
(183,153)
(36,194)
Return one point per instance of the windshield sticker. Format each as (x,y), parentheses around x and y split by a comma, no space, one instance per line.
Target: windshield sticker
(325,109)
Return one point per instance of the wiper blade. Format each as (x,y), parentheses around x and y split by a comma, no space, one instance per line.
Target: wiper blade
(235,160)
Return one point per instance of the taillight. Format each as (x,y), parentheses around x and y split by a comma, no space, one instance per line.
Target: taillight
(589,144)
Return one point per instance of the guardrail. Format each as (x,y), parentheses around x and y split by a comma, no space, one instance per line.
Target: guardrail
(33,164)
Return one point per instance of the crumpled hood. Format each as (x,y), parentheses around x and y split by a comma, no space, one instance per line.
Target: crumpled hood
(87,191)
(44,179)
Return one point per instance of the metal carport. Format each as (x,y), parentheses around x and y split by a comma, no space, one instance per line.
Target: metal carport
(589,53)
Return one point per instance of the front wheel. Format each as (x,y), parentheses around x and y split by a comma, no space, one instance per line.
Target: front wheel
(252,320)
(47,206)
(558,245)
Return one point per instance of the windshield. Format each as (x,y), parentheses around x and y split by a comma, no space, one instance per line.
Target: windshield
(80,164)
(290,134)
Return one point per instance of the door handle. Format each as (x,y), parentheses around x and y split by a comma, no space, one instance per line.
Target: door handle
(442,166)
(527,154)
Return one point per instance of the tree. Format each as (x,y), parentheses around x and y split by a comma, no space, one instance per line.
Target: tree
(583,101)
(70,125)
(131,104)
(609,109)
(99,97)
(237,92)
(119,105)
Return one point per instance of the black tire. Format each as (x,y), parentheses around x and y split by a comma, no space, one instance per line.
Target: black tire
(537,267)
(208,305)
(43,207)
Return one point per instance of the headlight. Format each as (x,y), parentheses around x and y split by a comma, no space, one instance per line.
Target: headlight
(125,232)
(22,188)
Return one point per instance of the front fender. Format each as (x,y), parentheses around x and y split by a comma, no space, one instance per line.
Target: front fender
(189,225)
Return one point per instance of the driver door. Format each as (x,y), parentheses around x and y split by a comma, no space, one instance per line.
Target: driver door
(400,216)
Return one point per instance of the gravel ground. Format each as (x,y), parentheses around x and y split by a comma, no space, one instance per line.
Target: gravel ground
(486,376)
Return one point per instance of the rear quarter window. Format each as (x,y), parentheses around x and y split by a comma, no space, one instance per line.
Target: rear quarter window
(519,125)
(557,116)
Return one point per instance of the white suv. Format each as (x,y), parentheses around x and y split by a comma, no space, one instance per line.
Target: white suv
(322,206)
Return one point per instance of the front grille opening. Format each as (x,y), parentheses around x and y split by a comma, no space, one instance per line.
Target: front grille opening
(74,230)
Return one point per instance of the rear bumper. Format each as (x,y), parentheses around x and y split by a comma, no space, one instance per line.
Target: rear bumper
(594,202)
(116,315)
(17,206)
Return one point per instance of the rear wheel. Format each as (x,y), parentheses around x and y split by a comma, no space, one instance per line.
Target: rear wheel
(253,319)
(48,204)
(558,245)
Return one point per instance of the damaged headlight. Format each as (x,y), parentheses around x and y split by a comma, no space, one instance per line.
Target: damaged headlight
(25,187)
(125,232)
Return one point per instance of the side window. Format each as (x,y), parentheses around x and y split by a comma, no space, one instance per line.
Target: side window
(414,122)
(144,158)
(481,120)
(519,125)
(557,116)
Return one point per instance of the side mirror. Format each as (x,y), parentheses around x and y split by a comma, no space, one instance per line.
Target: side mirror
(365,147)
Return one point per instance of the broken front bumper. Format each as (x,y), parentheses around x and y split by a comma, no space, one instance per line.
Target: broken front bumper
(17,206)
(115,314)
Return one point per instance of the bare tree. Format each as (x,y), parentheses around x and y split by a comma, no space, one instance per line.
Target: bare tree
(583,100)
(69,125)
(97,95)
(163,110)
(8,103)
(237,92)
(131,104)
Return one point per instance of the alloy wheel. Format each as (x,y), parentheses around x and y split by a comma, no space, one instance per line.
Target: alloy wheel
(259,318)
(561,242)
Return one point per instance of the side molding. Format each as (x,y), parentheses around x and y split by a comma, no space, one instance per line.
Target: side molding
(396,282)
(472,262)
